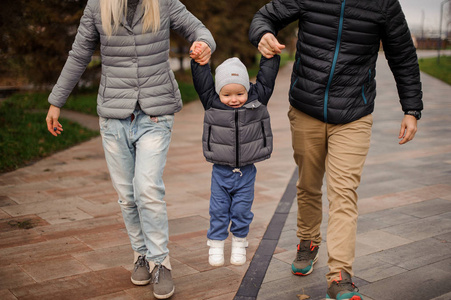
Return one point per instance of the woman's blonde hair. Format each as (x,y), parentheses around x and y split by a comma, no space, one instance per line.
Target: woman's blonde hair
(112,12)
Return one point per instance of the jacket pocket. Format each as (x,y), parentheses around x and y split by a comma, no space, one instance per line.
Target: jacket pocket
(363,94)
(104,86)
(174,84)
(263,133)
(365,86)
(298,61)
(208,138)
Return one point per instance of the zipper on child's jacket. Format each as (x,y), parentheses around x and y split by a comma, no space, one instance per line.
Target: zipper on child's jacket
(237,139)
(334,62)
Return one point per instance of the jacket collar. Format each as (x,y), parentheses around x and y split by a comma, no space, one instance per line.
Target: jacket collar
(139,12)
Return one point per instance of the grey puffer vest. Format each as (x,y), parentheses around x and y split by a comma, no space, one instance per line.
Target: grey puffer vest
(135,65)
(237,137)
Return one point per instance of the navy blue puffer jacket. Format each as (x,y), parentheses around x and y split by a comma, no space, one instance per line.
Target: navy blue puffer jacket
(333,77)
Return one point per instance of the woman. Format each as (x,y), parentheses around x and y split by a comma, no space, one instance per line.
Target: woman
(138,96)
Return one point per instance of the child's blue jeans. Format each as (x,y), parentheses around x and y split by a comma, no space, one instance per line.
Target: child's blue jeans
(232,194)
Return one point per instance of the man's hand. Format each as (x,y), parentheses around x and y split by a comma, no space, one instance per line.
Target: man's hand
(200,52)
(269,45)
(408,129)
(53,126)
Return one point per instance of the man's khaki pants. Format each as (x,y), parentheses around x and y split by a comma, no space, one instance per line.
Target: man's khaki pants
(340,152)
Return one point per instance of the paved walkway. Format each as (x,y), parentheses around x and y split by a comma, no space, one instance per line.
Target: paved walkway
(77,247)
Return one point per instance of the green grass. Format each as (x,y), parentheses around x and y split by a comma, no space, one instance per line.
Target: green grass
(440,71)
(187,91)
(84,102)
(24,137)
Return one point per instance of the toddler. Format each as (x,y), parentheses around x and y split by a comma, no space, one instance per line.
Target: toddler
(237,133)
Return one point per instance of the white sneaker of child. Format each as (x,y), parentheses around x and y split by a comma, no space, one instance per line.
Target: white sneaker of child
(216,253)
(238,256)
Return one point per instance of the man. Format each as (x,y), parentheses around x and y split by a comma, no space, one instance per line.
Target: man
(331,98)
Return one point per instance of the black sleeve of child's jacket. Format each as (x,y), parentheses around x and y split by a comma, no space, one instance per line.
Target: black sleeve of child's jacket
(203,83)
(266,78)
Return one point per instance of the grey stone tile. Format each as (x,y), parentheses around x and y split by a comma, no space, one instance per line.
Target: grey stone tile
(437,179)
(444,265)
(426,208)
(288,239)
(444,238)
(388,187)
(292,219)
(388,217)
(380,240)
(365,224)
(447,296)
(277,269)
(422,228)
(446,215)
(313,285)
(422,283)
(416,254)
(372,269)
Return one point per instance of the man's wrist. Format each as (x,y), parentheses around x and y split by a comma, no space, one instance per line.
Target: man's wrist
(414,113)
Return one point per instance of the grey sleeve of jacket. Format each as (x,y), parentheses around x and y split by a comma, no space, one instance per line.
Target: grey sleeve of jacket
(402,58)
(79,57)
(188,26)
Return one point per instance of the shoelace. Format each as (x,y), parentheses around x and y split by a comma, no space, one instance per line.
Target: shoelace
(303,253)
(348,285)
(157,273)
(141,262)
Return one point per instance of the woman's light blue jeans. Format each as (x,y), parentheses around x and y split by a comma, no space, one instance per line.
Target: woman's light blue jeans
(135,152)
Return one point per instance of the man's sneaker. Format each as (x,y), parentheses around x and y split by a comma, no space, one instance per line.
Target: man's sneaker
(238,256)
(343,289)
(140,273)
(163,285)
(216,253)
(306,256)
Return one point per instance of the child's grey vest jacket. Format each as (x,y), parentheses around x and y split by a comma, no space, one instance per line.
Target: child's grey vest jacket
(237,137)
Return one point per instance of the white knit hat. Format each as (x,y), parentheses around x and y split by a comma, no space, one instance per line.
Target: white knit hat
(231,70)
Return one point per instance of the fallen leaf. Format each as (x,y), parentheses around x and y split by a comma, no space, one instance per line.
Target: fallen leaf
(303,297)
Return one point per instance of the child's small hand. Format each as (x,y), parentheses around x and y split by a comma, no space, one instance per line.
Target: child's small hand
(200,52)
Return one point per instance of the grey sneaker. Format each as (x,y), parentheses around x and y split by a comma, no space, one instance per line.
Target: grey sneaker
(163,285)
(343,289)
(141,274)
(306,256)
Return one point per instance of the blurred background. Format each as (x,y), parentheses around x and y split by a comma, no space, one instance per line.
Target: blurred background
(36,36)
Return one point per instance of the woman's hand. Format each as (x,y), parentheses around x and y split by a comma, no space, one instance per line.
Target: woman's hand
(269,45)
(53,126)
(200,52)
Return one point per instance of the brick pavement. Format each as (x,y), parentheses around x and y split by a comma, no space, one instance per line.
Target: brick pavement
(77,247)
